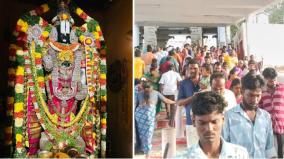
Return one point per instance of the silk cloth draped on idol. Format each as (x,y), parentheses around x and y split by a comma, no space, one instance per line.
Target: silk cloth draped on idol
(57,85)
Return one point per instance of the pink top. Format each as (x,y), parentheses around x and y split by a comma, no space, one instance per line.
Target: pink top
(239,100)
(228,84)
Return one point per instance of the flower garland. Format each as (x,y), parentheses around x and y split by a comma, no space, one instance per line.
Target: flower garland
(93,27)
(98,117)
(91,71)
(54,133)
(11,85)
(39,79)
(83,15)
(19,105)
(19,115)
(14,72)
(16,82)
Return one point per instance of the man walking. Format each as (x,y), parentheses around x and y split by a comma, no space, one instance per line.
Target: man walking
(249,126)
(272,100)
(208,118)
(187,88)
(168,87)
(217,84)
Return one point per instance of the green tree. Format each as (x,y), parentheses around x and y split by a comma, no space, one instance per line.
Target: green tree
(276,13)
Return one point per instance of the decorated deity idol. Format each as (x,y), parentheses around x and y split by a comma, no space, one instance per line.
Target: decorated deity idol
(57,82)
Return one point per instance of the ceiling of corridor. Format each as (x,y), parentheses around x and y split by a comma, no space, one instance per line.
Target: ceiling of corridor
(177,13)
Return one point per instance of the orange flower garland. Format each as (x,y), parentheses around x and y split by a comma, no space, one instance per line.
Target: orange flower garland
(92,26)
(19,101)
(18,76)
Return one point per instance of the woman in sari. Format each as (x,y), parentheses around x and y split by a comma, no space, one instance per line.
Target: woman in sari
(154,77)
(145,112)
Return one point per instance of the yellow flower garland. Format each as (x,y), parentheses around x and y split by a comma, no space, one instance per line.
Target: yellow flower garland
(79,11)
(19,107)
(42,101)
(19,137)
(20,71)
(45,34)
(54,120)
(23,25)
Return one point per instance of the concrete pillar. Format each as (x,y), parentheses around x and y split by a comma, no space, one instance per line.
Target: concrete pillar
(150,37)
(228,34)
(251,19)
(136,34)
(221,36)
(196,35)
(169,138)
(245,38)
(180,126)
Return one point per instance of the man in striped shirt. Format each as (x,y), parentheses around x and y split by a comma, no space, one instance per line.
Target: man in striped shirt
(273,101)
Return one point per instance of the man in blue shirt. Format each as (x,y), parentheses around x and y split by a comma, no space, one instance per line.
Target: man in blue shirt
(187,88)
(249,126)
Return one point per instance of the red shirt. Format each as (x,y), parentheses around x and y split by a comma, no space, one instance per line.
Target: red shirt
(165,67)
(274,104)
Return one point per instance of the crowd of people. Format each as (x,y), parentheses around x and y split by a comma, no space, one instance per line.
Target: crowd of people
(233,107)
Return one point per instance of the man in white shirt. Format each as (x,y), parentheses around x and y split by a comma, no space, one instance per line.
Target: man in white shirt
(252,68)
(159,55)
(208,118)
(168,87)
(217,83)
(165,52)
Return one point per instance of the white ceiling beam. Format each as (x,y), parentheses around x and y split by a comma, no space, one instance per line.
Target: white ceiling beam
(185,12)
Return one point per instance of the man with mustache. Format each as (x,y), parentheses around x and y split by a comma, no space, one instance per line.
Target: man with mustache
(272,100)
(208,118)
(188,87)
(217,84)
(247,125)
(252,68)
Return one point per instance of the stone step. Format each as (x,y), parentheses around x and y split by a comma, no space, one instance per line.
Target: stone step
(179,141)
(164,123)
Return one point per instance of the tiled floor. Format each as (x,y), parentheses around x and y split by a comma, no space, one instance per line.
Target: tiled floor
(156,151)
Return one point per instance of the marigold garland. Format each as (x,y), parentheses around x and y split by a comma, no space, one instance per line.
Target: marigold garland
(17,77)
(41,98)
(46,121)
(22,26)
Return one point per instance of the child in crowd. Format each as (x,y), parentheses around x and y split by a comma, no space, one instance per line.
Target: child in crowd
(205,79)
